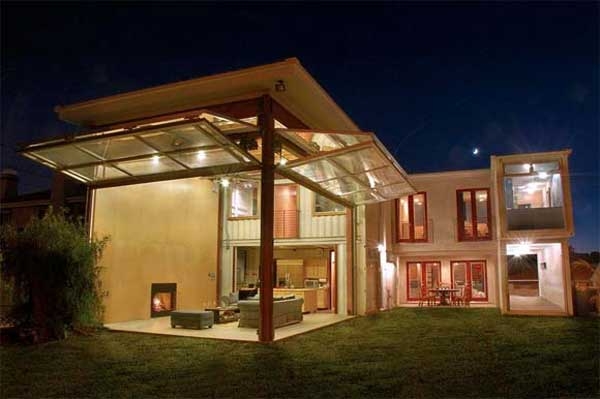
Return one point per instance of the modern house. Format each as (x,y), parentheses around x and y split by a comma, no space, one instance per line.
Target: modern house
(256,177)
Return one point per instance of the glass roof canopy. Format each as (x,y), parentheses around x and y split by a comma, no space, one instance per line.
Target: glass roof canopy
(178,146)
(351,167)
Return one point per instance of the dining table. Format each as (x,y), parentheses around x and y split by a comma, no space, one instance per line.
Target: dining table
(444,294)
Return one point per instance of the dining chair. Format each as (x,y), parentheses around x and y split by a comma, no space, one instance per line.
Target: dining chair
(427,297)
(458,298)
(467,295)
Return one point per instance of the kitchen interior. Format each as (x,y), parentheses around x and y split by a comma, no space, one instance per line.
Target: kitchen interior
(306,272)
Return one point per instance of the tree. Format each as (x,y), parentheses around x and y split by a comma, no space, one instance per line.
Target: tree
(53,268)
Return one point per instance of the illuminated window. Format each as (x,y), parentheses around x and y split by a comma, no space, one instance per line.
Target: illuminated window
(470,275)
(323,205)
(244,199)
(473,214)
(411,218)
(421,277)
(533,196)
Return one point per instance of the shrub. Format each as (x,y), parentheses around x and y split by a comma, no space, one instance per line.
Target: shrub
(53,267)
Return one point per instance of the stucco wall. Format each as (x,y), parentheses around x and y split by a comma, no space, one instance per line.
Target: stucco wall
(551,277)
(442,210)
(163,232)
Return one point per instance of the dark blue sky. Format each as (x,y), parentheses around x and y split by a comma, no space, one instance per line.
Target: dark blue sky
(432,80)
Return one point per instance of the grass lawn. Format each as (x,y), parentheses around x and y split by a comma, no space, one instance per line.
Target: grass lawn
(409,352)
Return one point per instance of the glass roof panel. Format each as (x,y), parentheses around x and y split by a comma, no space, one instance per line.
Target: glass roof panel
(149,166)
(381,176)
(341,186)
(205,158)
(178,138)
(395,190)
(97,172)
(227,125)
(318,170)
(323,141)
(359,161)
(65,155)
(117,147)
(361,197)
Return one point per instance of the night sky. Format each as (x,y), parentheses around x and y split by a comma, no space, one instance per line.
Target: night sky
(432,80)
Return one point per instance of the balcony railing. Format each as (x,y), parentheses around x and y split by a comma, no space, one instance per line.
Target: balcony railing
(285,224)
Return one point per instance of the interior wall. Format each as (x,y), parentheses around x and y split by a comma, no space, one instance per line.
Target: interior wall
(551,277)
(162,232)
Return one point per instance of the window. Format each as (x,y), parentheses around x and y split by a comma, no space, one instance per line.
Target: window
(474,214)
(533,196)
(470,274)
(422,276)
(325,206)
(411,218)
(244,199)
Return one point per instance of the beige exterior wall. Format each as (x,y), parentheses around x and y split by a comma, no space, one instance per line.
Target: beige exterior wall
(443,245)
(163,232)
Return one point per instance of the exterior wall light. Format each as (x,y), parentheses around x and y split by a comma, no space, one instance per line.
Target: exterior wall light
(225,182)
(280,86)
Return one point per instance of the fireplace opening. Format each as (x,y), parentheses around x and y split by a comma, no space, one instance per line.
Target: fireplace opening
(163,299)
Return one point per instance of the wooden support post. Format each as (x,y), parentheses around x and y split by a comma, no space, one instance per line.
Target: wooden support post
(350,286)
(266,332)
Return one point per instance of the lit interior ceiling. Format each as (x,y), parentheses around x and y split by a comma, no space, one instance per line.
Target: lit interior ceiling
(352,167)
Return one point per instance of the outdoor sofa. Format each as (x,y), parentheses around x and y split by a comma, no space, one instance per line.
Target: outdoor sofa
(285,311)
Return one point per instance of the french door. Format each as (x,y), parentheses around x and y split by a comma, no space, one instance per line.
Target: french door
(470,273)
(422,276)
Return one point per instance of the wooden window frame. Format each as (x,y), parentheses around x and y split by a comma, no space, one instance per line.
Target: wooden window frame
(422,277)
(460,225)
(469,278)
(411,219)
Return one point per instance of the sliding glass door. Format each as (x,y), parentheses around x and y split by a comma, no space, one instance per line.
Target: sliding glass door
(422,275)
(471,273)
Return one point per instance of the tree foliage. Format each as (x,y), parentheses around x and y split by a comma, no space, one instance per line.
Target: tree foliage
(53,268)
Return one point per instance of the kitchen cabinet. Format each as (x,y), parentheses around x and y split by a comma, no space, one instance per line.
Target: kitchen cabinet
(308,294)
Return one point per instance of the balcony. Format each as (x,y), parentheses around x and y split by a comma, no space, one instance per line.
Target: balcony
(285,224)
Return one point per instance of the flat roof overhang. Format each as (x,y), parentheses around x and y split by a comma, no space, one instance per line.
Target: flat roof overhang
(351,168)
(303,97)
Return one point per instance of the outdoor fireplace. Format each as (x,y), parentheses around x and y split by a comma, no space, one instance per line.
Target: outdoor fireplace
(163,299)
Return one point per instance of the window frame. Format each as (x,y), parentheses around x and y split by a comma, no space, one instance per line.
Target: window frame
(423,276)
(469,277)
(327,213)
(411,219)
(460,225)
(230,216)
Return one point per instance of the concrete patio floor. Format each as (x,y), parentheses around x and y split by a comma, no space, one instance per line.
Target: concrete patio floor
(227,331)
(533,304)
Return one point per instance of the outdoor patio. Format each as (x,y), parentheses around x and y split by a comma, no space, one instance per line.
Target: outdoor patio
(227,331)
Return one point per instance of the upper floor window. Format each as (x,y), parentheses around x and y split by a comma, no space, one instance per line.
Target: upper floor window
(244,199)
(474,214)
(411,218)
(533,196)
(325,206)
